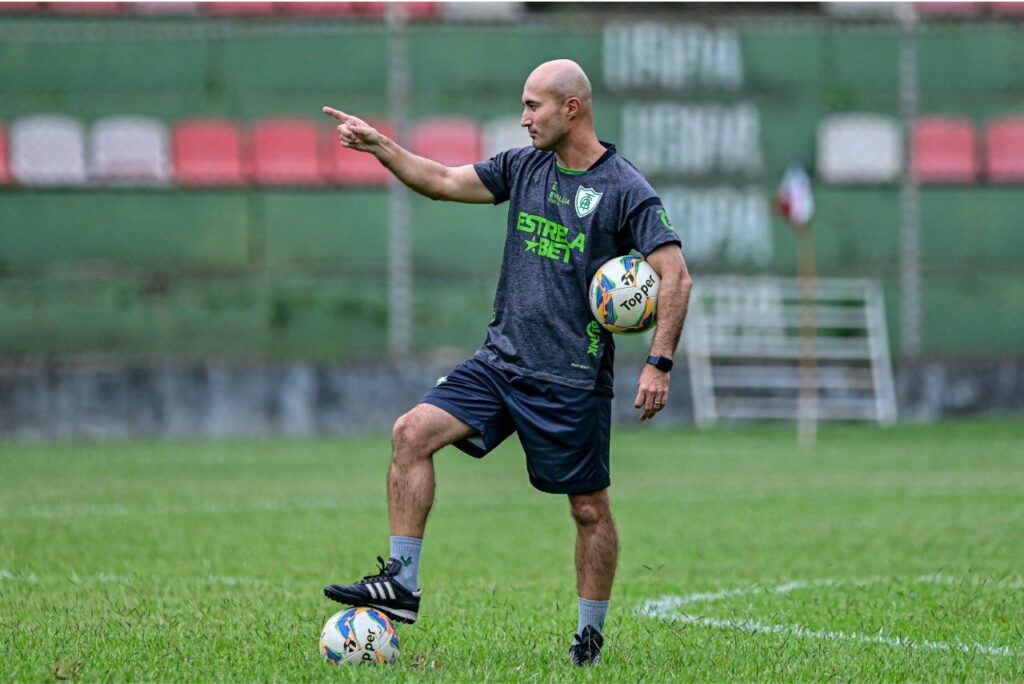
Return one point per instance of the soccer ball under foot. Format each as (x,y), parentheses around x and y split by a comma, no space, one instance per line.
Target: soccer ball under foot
(359,635)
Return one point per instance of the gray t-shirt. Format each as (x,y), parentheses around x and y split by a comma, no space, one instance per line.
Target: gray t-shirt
(561,228)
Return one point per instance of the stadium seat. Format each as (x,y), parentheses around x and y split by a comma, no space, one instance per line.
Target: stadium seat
(207,151)
(83,7)
(413,10)
(345,166)
(858,11)
(1007,9)
(129,150)
(952,10)
(239,9)
(1004,150)
(20,7)
(48,150)
(330,9)
(503,133)
(481,11)
(859,148)
(5,169)
(420,10)
(165,8)
(285,151)
(945,150)
(451,141)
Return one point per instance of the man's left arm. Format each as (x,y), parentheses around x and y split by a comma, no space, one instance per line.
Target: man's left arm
(673,299)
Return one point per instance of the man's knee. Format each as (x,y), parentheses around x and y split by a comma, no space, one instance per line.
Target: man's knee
(590,509)
(410,438)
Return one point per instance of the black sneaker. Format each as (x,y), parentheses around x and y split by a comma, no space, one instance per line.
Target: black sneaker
(587,649)
(381,591)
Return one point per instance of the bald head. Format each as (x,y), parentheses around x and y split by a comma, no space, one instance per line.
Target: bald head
(557,108)
(562,79)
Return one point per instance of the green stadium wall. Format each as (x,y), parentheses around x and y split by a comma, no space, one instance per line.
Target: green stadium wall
(300,273)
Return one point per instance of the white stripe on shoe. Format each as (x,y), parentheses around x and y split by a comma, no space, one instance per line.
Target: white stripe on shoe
(409,616)
(373,592)
(390,590)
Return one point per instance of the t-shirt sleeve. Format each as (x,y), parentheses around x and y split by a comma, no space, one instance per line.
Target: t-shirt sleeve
(496,174)
(647,227)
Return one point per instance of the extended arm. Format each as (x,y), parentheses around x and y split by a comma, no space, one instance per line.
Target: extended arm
(425,176)
(673,299)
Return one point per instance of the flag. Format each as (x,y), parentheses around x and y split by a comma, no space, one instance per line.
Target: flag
(794,201)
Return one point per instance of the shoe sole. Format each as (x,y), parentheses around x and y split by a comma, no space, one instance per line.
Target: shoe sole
(404,616)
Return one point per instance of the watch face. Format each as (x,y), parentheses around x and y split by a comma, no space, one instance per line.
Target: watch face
(661,363)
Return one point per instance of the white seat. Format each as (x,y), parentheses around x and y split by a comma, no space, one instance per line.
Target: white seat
(859,148)
(481,11)
(129,150)
(48,150)
(859,11)
(503,133)
(164,8)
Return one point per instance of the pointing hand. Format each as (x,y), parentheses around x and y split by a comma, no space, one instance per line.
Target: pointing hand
(354,132)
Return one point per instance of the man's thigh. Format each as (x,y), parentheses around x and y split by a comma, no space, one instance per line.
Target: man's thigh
(475,394)
(434,427)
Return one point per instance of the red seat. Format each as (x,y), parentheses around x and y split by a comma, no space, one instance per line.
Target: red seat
(5,166)
(239,9)
(453,142)
(1004,150)
(330,9)
(83,7)
(948,9)
(345,166)
(1007,9)
(285,151)
(18,7)
(207,152)
(945,150)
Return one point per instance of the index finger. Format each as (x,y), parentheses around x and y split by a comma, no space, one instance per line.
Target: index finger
(340,116)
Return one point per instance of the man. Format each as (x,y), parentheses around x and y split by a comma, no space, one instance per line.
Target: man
(545,370)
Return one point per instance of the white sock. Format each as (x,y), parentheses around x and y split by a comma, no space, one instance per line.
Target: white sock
(407,551)
(592,613)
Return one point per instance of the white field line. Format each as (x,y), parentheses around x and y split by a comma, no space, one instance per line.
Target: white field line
(50,511)
(940,578)
(754,627)
(756,588)
(113,578)
(206,507)
(668,608)
(115,509)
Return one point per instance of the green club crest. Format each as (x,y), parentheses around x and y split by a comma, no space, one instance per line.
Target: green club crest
(586,200)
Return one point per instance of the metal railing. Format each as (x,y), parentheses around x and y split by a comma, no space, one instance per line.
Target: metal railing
(743,342)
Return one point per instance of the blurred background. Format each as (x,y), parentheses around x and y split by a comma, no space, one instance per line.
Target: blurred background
(186,251)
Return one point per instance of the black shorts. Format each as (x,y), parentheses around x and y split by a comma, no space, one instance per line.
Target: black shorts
(564,431)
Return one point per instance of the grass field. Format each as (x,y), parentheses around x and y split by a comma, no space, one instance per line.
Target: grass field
(883,554)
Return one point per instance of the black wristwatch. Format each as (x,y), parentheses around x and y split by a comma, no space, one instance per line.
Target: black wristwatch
(662,363)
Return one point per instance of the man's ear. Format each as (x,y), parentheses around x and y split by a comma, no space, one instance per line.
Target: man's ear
(572,107)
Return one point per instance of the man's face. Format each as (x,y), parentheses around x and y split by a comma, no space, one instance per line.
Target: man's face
(543,118)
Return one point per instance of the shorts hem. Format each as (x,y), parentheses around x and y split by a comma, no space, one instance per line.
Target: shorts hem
(462,445)
(570,487)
